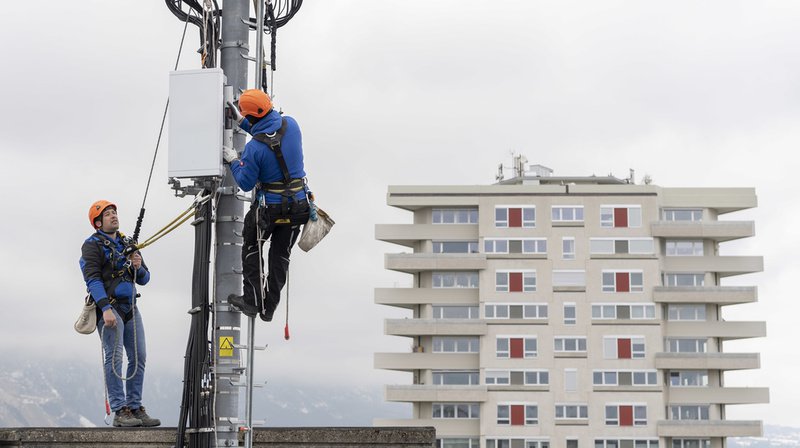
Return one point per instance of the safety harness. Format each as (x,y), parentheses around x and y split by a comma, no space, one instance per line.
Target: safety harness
(112,277)
(287,188)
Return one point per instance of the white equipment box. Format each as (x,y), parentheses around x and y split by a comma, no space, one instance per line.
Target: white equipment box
(196,120)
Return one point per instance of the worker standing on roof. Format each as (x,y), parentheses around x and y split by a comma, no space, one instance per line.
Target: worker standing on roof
(272,162)
(111,279)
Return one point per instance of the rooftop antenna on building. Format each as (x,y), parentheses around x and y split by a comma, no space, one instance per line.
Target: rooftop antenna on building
(499,176)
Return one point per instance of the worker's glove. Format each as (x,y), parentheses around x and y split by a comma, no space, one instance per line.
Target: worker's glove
(234,113)
(229,154)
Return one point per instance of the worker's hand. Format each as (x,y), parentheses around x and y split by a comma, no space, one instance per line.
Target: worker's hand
(136,260)
(235,114)
(109,318)
(229,154)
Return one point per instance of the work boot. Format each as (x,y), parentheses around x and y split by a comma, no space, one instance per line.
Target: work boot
(239,303)
(124,418)
(268,311)
(141,414)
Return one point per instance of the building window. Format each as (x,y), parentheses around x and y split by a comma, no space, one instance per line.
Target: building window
(625,378)
(456,377)
(517,281)
(687,345)
(572,411)
(456,410)
(688,378)
(691,443)
(572,443)
(517,377)
(616,347)
(692,248)
(536,377)
(570,314)
(683,214)
(508,216)
(515,246)
(620,216)
(455,247)
(458,442)
(568,248)
(626,281)
(686,312)
(455,344)
(688,412)
(513,311)
(569,344)
(638,311)
(455,279)
(672,279)
(516,443)
(632,443)
(569,278)
(617,246)
(455,216)
(626,415)
(516,347)
(517,414)
(567,213)
(455,312)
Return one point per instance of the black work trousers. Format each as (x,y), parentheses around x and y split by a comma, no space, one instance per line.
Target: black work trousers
(259,226)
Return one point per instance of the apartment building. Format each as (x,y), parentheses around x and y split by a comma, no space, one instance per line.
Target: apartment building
(570,312)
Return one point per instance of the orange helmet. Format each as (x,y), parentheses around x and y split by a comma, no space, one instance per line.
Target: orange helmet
(96,210)
(254,102)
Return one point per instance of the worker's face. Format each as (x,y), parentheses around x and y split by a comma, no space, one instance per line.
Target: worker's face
(110,220)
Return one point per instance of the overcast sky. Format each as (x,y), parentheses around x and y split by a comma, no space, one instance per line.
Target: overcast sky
(396,92)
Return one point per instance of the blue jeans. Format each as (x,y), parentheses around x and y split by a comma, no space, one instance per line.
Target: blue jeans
(123,337)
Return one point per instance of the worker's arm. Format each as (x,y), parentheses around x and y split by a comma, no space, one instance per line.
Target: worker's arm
(142,273)
(245,173)
(92,268)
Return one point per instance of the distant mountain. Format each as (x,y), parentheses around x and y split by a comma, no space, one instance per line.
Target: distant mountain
(70,394)
(774,437)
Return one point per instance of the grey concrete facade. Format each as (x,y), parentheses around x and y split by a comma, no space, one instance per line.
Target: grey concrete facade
(574,312)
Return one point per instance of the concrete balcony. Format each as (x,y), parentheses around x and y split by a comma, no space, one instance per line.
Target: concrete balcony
(421,392)
(709,428)
(436,327)
(411,297)
(722,295)
(726,330)
(444,426)
(411,234)
(718,395)
(723,200)
(708,361)
(713,230)
(414,263)
(416,361)
(723,265)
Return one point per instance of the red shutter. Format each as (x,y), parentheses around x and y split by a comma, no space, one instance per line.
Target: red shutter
(620,217)
(517,348)
(623,280)
(626,416)
(514,217)
(623,348)
(515,281)
(517,414)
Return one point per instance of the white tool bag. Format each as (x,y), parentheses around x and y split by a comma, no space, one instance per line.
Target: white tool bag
(315,231)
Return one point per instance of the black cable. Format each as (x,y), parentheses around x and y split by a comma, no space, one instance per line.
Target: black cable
(158,143)
(197,398)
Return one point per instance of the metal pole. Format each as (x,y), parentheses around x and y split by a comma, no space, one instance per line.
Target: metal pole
(251,322)
(228,227)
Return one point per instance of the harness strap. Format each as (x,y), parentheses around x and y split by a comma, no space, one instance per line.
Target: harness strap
(274,144)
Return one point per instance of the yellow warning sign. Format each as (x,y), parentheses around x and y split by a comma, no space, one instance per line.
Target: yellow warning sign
(226,346)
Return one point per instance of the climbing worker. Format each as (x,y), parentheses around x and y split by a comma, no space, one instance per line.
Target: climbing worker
(272,163)
(111,278)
